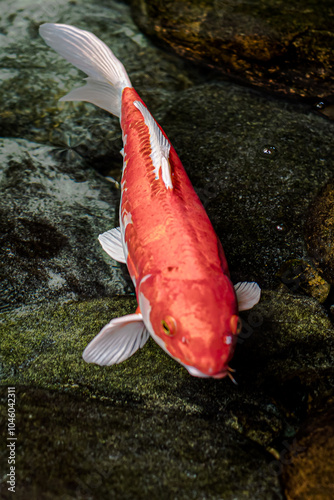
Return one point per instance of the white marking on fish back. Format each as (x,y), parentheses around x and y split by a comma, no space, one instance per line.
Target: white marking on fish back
(146,277)
(160,147)
(127,219)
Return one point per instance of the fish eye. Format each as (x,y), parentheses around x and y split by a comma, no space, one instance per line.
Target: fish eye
(168,326)
(236,324)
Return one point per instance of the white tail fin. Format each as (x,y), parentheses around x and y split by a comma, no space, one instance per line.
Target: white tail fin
(106,74)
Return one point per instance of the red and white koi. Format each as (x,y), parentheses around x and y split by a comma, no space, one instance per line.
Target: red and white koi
(187,302)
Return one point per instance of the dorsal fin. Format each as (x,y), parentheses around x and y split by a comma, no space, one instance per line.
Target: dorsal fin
(160,147)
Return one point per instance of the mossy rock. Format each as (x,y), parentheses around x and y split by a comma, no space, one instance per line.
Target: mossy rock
(90,449)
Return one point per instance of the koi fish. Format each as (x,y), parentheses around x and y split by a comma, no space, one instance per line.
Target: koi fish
(186,300)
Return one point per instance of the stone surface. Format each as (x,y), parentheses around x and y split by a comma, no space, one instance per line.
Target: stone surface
(300,277)
(97,450)
(120,422)
(319,231)
(282,374)
(257,163)
(287,346)
(282,47)
(51,215)
(33,77)
(308,469)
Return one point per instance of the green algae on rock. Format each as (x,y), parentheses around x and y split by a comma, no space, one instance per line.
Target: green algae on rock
(286,347)
(97,450)
(43,349)
(285,338)
(319,231)
(282,47)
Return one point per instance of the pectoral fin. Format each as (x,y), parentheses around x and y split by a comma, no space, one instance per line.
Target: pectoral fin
(111,242)
(117,341)
(248,294)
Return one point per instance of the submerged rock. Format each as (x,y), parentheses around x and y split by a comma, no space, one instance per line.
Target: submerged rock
(34,77)
(284,362)
(287,346)
(308,467)
(299,276)
(124,419)
(102,451)
(51,215)
(319,231)
(278,46)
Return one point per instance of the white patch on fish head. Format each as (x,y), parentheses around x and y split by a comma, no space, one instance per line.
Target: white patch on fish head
(145,306)
(197,373)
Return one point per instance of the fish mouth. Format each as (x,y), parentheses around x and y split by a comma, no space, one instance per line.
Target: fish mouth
(195,372)
(220,375)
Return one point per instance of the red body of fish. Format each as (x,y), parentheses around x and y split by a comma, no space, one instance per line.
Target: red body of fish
(171,239)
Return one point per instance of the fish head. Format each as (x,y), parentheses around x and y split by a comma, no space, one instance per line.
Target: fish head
(194,321)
